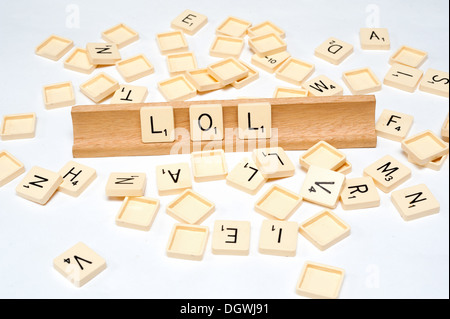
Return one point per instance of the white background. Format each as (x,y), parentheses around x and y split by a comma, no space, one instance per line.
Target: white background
(384,257)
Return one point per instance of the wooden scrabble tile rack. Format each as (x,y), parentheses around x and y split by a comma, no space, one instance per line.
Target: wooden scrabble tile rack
(114,130)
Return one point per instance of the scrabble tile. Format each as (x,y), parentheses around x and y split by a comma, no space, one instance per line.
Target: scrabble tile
(322,186)
(323,86)
(99,87)
(179,63)
(267,44)
(415,202)
(39,185)
(359,193)
(388,173)
(324,155)
(206,122)
(79,264)
(10,168)
(172,42)
(187,242)
(334,51)
(233,27)
(320,281)
(361,81)
(324,229)
(228,70)
(403,77)
(278,238)
(103,53)
(157,124)
(437,163)
(289,92)
(18,126)
(137,213)
(203,80)
(190,208)
(435,82)
(394,125)
(265,28)
(345,169)
(54,47)
(121,34)
(270,63)
(173,179)
(445,130)
(209,165)
(129,94)
(255,120)
(225,46)
(374,39)
(409,56)
(246,177)
(434,164)
(77,177)
(135,68)
(190,22)
(177,88)
(58,95)
(273,162)
(424,147)
(278,203)
(231,237)
(253,75)
(126,184)
(78,61)
(295,71)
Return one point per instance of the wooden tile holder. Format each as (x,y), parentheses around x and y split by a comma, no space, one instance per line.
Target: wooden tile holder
(343,121)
